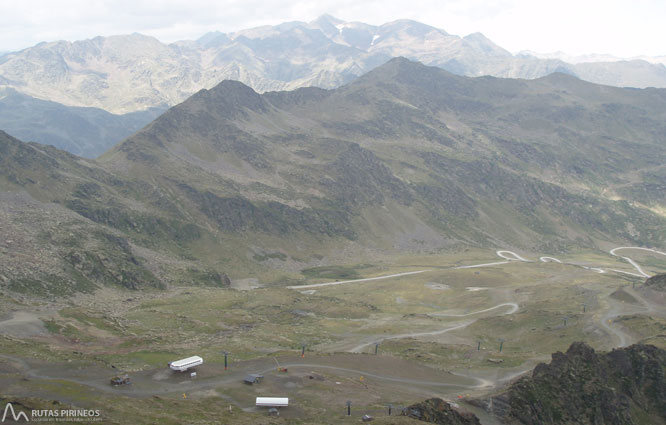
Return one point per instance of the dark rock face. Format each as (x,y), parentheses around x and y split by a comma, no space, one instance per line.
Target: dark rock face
(657,282)
(624,386)
(437,411)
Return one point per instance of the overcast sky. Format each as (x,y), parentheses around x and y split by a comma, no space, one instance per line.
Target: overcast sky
(623,28)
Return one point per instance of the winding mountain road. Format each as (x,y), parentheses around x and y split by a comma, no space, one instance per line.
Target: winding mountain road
(512,256)
(367,279)
(513,309)
(632,262)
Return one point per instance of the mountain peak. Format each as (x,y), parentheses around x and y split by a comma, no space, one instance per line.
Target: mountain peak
(412,27)
(227,99)
(482,43)
(328,19)
(405,71)
(213,38)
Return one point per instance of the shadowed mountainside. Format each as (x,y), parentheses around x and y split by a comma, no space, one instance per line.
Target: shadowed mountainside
(86,132)
(407,158)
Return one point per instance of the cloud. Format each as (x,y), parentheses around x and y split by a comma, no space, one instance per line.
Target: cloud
(608,26)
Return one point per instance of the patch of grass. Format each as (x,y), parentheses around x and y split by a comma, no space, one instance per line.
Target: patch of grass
(52,326)
(270,255)
(89,318)
(644,326)
(335,272)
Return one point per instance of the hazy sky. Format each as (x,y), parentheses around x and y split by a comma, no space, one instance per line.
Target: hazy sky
(619,27)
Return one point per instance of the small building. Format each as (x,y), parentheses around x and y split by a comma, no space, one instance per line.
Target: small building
(272,401)
(184,364)
(253,378)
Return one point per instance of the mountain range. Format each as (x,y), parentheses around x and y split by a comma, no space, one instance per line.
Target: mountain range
(406,158)
(130,73)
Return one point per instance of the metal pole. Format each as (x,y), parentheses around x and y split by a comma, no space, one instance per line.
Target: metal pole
(390,406)
(303,351)
(501,345)
(349,408)
(225,360)
(376,348)
(478,346)
(565,322)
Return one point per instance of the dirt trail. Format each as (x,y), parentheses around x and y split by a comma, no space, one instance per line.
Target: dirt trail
(23,324)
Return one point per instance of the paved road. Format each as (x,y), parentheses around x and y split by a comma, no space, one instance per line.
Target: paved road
(512,256)
(641,272)
(509,256)
(317,285)
(483,265)
(632,262)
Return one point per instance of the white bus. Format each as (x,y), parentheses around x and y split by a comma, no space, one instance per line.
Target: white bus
(184,364)
(273,401)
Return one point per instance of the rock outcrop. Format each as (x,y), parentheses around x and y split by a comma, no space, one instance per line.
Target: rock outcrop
(438,411)
(657,282)
(624,386)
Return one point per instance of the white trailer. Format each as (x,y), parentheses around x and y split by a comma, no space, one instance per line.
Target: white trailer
(273,401)
(184,364)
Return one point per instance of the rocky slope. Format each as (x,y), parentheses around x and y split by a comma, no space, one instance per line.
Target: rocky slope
(437,411)
(127,73)
(624,386)
(47,249)
(407,158)
(657,282)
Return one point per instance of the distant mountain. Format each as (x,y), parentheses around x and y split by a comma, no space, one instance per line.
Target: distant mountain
(128,73)
(592,57)
(406,158)
(86,132)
